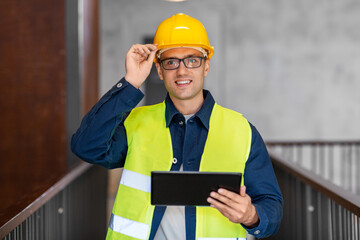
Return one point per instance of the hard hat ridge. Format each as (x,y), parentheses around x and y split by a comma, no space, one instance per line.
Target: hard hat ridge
(204,52)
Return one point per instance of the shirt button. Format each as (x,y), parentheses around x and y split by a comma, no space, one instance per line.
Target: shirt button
(257,232)
(119,85)
(181,123)
(174,160)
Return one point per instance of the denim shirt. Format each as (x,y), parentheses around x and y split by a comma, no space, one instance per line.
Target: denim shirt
(101,139)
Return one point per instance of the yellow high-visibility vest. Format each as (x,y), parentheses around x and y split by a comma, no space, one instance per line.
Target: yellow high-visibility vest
(227,149)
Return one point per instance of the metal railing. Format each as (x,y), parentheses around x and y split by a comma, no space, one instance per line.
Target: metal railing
(74,208)
(338,162)
(319,182)
(320,185)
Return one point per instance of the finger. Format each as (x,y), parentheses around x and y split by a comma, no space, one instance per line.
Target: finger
(146,51)
(148,48)
(151,47)
(136,47)
(229,194)
(217,204)
(140,51)
(243,191)
(226,200)
(225,210)
(151,56)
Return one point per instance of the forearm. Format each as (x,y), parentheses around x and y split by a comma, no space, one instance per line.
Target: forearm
(101,137)
(263,189)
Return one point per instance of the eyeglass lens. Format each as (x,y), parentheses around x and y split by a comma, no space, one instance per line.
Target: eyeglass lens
(174,63)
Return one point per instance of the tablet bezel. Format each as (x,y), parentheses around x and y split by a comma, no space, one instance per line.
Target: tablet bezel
(174,188)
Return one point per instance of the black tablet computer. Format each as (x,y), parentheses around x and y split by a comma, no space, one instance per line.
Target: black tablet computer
(190,188)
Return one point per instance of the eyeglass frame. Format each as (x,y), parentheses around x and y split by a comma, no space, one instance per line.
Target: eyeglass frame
(181,60)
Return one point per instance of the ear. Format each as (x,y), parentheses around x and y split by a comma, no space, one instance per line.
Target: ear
(158,68)
(207,67)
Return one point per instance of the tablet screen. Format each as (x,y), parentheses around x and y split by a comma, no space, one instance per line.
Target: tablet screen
(190,188)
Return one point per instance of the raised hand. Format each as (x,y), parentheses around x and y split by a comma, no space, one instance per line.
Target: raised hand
(138,63)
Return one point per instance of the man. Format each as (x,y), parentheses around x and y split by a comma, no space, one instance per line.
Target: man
(187,132)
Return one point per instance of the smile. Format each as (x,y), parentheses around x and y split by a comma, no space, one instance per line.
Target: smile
(183,82)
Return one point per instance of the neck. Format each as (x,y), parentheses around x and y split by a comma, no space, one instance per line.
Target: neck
(188,106)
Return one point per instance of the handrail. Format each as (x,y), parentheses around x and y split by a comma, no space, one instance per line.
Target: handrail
(312,142)
(343,197)
(13,221)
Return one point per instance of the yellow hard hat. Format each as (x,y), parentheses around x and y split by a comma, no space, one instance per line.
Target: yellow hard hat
(182,30)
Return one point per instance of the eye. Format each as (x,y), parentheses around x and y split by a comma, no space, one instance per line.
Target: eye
(193,60)
(170,62)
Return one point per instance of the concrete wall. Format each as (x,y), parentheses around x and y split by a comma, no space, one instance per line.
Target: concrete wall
(292,67)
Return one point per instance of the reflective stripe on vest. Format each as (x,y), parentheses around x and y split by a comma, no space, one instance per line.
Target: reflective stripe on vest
(136,180)
(150,149)
(129,227)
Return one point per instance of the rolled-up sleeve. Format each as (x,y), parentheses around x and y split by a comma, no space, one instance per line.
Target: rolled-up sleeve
(101,137)
(262,187)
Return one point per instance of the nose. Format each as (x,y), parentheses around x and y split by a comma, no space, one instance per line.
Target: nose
(182,68)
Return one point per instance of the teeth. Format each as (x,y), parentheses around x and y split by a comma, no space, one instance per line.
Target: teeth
(182,82)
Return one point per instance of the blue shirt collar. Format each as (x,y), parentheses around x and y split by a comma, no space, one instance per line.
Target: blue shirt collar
(203,114)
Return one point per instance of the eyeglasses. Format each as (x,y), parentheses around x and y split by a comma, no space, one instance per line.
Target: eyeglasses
(174,63)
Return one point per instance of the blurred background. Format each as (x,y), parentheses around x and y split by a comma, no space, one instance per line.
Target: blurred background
(292,68)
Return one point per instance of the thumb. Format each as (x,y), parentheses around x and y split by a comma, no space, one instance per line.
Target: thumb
(151,56)
(243,191)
